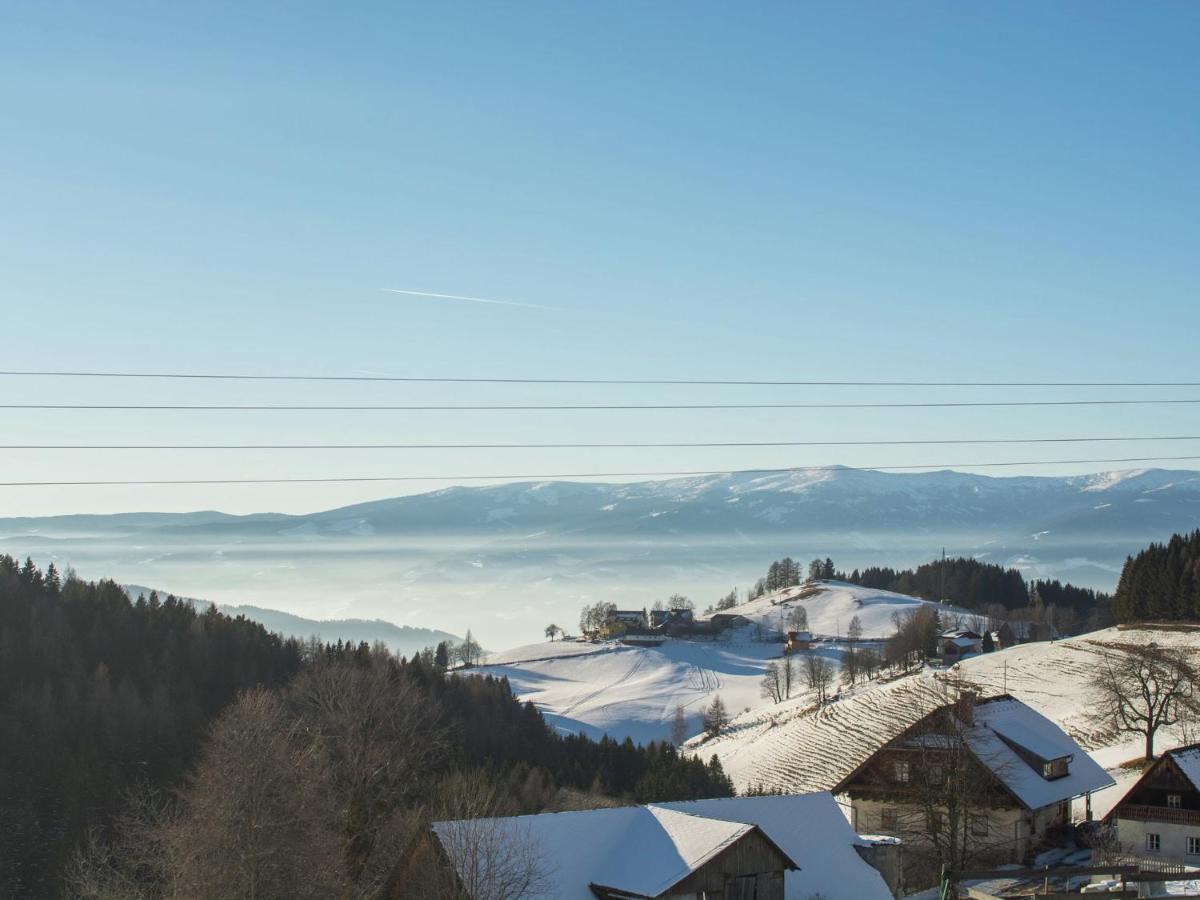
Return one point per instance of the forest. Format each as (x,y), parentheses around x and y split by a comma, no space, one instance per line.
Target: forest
(147,749)
(1161,582)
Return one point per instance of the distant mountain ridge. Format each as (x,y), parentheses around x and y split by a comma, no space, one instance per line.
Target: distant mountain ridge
(508,559)
(402,639)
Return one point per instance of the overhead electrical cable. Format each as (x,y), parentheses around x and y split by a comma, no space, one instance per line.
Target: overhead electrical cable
(601,446)
(228,376)
(557,476)
(580,407)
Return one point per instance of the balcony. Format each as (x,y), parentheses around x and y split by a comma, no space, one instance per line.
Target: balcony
(1162,814)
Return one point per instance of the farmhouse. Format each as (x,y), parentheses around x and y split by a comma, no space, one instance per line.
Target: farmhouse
(954,645)
(1022,631)
(630,618)
(756,848)
(1160,815)
(723,620)
(994,768)
(798,640)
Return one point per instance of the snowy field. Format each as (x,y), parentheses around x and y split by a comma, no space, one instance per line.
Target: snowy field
(794,746)
(833,604)
(608,688)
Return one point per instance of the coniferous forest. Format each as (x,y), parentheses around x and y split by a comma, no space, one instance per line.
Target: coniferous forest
(125,728)
(1161,582)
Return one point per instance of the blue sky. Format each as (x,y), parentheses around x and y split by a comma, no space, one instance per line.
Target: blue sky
(799,191)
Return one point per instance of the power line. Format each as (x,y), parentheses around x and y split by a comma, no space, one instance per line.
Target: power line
(597,446)
(582,407)
(532,477)
(226,376)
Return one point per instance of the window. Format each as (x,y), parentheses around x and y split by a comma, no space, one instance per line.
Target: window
(1174,801)
(1056,768)
(903,771)
(887,820)
(979,826)
(1193,846)
(1153,842)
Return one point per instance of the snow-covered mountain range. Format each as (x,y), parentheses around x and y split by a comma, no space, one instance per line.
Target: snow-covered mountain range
(508,559)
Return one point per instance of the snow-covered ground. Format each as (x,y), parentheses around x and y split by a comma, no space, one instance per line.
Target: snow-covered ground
(609,688)
(794,746)
(832,604)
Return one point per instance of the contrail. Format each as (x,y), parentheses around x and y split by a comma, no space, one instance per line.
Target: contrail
(468,299)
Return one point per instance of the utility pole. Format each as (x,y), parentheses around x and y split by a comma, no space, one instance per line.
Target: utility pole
(942,573)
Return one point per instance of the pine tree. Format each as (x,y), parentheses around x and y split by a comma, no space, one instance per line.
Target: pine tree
(715,717)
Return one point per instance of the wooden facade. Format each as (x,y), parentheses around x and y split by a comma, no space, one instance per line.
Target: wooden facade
(752,868)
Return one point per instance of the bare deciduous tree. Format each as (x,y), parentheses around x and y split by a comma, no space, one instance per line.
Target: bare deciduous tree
(678,726)
(1145,688)
(489,860)
(818,674)
(797,619)
(256,818)
(772,683)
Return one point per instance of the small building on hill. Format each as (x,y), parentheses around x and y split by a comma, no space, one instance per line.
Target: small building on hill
(629,618)
(1023,631)
(799,640)
(756,848)
(1160,815)
(723,620)
(954,645)
(993,771)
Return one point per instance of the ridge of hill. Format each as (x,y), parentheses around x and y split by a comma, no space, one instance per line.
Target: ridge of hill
(403,640)
(797,746)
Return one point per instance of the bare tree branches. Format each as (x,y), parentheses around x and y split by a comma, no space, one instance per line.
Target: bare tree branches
(1146,688)
(490,862)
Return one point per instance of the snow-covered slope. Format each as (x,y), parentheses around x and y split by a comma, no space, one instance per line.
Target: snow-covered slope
(633,691)
(793,746)
(624,691)
(832,604)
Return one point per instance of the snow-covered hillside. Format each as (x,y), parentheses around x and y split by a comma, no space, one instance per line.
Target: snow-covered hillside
(832,604)
(632,692)
(796,747)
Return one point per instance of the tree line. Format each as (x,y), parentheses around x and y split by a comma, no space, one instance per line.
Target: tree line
(1161,582)
(146,748)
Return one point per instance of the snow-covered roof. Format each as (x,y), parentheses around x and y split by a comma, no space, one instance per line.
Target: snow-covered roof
(1188,760)
(645,850)
(1021,725)
(959,641)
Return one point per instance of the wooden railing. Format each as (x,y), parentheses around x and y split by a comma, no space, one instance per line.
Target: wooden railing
(1165,814)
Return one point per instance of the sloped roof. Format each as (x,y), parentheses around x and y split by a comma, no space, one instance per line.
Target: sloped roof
(1188,760)
(1012,719)
(960,641)
(814,832)
(645,850)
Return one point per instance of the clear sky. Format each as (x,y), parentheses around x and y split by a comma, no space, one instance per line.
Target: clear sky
(924,191)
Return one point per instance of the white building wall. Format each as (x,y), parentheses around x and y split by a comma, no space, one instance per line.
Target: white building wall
(1172,839)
